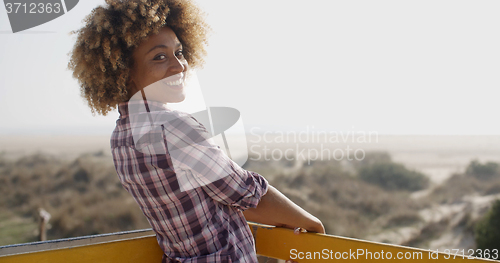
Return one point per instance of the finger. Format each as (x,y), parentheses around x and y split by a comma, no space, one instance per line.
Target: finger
(299,230)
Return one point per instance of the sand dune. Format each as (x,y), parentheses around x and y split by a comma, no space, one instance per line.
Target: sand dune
(437,156)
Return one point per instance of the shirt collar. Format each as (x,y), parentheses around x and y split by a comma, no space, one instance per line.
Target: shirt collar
(151,106)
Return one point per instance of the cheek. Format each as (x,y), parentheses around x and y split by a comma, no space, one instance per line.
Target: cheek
(149,76)
(157,72)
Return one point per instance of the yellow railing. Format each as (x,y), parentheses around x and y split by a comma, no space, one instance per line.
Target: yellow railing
(272,242)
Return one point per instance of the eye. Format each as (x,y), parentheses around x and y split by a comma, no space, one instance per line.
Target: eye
(179,54)
(160,57)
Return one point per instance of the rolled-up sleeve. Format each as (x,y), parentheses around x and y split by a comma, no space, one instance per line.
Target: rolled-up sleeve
(242,188)
(199,162)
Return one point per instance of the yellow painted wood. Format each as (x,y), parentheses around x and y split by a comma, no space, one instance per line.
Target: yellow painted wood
(273,242)
(282,243)
(144,249)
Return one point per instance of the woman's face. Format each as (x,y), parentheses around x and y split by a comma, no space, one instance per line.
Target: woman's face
(159,68)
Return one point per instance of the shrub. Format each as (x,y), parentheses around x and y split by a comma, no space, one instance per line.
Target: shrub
(482,171)
(372,158)
(487,231)
(403,218)
(393,176)
(83,196)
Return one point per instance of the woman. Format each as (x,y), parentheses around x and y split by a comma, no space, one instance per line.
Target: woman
(135,55)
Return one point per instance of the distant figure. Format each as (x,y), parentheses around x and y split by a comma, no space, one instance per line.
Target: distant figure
(135,55)
(44,220)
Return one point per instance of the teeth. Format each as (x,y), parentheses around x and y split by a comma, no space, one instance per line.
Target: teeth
(174,83)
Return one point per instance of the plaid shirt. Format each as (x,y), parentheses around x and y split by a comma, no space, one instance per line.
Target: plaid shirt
(192,194)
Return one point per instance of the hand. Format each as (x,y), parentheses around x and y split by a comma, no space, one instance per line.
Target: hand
(296,231)
(299,230)
(316,227)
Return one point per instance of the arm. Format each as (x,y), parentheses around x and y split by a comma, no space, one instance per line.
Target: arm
(276,209)
(206,166)
(200,164)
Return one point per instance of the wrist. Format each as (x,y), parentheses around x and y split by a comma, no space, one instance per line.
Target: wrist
(315,226)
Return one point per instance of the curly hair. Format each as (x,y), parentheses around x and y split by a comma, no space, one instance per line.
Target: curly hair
(102,56)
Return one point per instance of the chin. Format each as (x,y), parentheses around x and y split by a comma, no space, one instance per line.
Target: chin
(177,99)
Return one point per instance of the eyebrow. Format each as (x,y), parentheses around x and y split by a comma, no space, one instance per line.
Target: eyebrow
(162,46)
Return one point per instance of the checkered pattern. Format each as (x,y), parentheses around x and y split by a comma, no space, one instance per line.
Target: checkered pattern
(192,194)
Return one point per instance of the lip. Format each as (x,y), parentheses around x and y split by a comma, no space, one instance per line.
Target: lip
(175,81)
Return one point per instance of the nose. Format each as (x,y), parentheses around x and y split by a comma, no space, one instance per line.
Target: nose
(178,65)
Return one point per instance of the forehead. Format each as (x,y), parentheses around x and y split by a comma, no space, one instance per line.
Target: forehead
(166,36)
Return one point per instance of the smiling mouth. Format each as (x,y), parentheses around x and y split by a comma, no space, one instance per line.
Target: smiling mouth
(175,83)
(175,80)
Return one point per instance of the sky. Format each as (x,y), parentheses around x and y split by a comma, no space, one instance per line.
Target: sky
(389,66)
